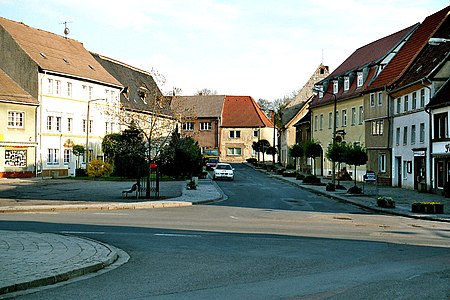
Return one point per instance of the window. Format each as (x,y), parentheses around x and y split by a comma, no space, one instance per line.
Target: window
(15,158)
(344,117)
(405,135)
(112,127)
(422,97)
(321,122)
(414,100)
(360,79)
(335,86)
(235,134)
(441,126)
(58,87)
(353,116)
(188,126)
(337,119)
(69,89)
(346,83)
(205,126)
(382,163)
(69,124)
(52,156)
(255,133)
(85,92)
(49,123)
(377,127)
(67,156)
(106,127)
(405,104)
(91,125)
(234,151)
(50,86)
(380,98)
(397,136)
(84,125)
(399,104)
(422,133)
(413,134)
(91,92)
(372,99)
(330,120)
(361,115)
(16,119)
(58,124)
(113,96)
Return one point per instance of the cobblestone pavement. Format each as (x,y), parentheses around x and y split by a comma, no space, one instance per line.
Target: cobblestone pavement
(33,259)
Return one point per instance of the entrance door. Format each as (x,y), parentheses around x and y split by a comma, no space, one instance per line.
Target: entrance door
(419,171)
(398,160)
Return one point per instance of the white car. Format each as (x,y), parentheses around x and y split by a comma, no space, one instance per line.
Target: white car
(223,171)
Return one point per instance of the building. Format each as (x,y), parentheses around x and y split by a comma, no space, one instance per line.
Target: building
(398,156)
(341,100)
(141,102)
(72,89)
(295,111)
(228,123)
(17,130)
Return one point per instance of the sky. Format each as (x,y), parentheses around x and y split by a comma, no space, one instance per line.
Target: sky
(266,49)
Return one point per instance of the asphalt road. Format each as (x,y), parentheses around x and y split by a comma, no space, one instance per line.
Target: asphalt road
(253,246)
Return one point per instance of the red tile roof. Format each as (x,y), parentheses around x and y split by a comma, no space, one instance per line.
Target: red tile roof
(371,53)
(55,53)
(11,92)
(368,56)
(419,39)
(243,111)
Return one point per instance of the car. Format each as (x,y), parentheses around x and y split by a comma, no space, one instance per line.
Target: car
(223,171)
(211,163)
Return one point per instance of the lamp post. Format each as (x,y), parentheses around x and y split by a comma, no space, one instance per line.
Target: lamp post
(333,165)
(88,127)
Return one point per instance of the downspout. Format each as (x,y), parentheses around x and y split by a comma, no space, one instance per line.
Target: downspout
(390,119)
(428,111)
(39,139)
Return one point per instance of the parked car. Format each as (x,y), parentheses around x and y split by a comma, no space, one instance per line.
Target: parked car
(223,171)
(211,163)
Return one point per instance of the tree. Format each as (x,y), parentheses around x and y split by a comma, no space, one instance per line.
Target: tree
(313,150)
(78,150)
(272,151)
(296,151)
(181,157)
(337,153)
(356,156)
(261,147)
(205,92)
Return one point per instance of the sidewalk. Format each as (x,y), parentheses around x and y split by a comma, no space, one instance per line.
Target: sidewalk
(403,197)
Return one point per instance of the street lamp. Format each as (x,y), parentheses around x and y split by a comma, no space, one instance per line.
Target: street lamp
(87,127)
(333,166)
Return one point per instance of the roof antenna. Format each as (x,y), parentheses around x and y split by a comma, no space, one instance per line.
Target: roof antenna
(322,56)
(66,29)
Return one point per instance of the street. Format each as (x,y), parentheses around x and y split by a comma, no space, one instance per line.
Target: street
(268,240)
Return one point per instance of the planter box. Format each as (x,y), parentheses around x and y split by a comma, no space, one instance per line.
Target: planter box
(427,208)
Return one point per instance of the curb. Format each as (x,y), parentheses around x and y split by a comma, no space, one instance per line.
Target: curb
(49,280)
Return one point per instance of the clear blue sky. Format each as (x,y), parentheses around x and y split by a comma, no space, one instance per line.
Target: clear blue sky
(261,48)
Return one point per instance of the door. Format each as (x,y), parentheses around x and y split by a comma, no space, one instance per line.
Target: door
(398,160)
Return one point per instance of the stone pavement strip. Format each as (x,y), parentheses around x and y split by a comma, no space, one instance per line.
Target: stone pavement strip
(30,260)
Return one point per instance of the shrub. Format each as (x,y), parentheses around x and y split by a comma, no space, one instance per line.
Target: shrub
(311,179)
(355,190)
(252,160)
(428,207)
(99,168)
(289,174)
(385,202)
(300,176)
(80,172)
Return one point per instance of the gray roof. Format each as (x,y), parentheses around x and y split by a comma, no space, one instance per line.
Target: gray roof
(200,106)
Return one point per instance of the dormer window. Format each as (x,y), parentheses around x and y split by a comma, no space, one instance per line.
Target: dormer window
(346,83)
(360,79)
(335,87)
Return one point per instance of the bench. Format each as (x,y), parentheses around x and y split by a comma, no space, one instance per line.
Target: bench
(134,188)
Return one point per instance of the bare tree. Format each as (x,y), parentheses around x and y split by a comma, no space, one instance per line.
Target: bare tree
(206,91)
